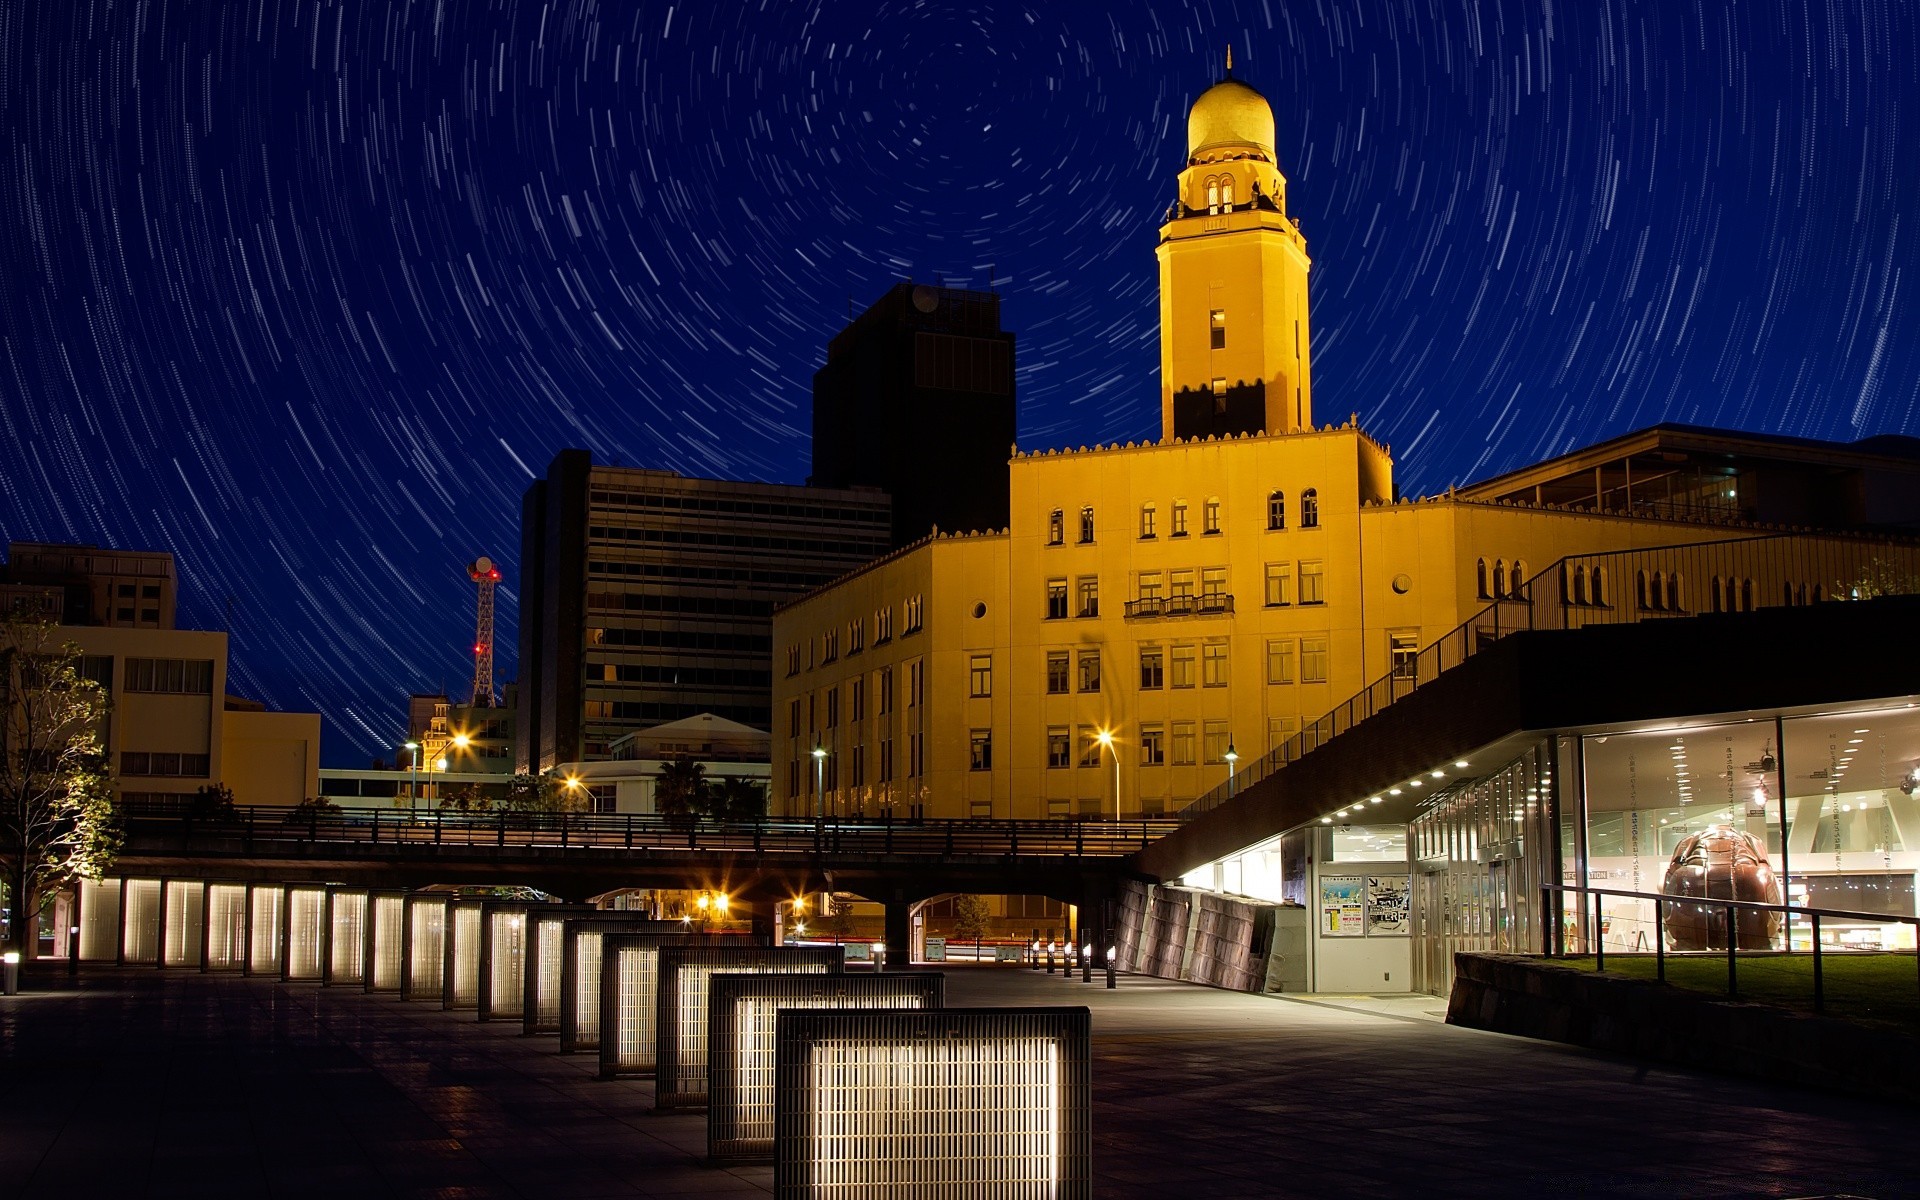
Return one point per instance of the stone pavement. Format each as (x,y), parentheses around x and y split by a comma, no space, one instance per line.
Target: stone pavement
(143,1083)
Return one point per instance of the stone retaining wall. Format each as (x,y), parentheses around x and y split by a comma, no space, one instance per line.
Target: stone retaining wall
(1538,998)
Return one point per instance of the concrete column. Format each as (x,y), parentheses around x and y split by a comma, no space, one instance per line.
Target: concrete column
(899,934)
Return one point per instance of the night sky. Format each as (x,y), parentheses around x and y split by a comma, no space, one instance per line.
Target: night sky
(306,291)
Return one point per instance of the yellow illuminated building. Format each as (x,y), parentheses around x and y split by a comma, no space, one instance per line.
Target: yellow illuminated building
(1200,597)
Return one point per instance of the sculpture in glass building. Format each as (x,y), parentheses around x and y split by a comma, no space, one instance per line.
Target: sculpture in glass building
(1721,863)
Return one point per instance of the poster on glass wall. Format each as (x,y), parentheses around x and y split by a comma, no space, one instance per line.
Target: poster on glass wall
(1343,906)
(1389,903)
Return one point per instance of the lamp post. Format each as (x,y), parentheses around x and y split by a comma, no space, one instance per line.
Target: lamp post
(413,764)
(1106,739)
(1233,756)
(819,782)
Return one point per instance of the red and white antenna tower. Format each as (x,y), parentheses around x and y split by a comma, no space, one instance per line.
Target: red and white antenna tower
(484,575)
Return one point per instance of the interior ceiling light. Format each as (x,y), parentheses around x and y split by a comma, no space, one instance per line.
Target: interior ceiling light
(1460,762)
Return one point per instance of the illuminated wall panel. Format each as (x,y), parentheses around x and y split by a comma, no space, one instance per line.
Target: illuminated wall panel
(386,935)
(306,933)
(742,1012)
(629,998)
(503,960)
(546,948)
(140,921)
(346,955)
(226,928)
(582,943)
(185,913)
(981,1103)
(426,955)
(99,920)
(266,929)
(681,1019)
(463,955)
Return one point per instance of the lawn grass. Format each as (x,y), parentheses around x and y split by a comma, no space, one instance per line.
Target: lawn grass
(1875,987)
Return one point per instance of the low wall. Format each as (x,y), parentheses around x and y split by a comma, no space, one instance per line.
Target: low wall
(1180,933)
(1538,998)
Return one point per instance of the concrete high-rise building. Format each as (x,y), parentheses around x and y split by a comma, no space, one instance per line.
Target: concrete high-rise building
(646,596)
(923,367)
(124,589)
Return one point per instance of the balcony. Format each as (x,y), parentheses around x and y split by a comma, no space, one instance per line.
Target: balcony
(1207,604)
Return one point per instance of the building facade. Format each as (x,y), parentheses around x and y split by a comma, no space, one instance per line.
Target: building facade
(123,589)
(645,596)
(1155,613)
(923,366)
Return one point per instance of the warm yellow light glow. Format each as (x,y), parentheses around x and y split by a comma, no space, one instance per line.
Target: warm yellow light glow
(703,902)
(720,902)
(1106,737)
(462,740)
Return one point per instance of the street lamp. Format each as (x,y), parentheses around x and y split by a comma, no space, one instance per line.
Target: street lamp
(1106,739)
(413,764)
(1233,756)
(819,784)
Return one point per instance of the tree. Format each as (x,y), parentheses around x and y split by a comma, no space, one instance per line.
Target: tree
(681,790)
(735,798)
(57,819)
(466,798)
(970,918)
(212,802)
(1879,578)
(541,793)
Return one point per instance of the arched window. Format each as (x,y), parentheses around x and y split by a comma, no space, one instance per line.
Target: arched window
(1056,527)
(1310,509)
(1226,194)
(1676,595)
(1788,589)
(1659,596)
(1147,515)
(1086,525)
(1640,588)
(1714,589)
(1600,586)
(1276,509)
(1746,595)
(1819,593)
(1499,579)
(1213,196)
(1580,584)
(1480,573)
(1517,580)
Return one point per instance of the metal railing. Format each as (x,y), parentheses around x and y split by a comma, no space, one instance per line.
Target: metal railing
(1206,604)
(1617,588)
(1590,925)
(260,828)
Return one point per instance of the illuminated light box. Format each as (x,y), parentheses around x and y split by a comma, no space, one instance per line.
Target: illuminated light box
(184,913)
(582,949)
(463,955)
(223,945)
(386,940)
(742,1011)
(681,1011)
(346,956)
(266,928)
(99,920)
(140,921)
(629,996)
(426,949)
(503,959)
(976,1102)
(306,937)
(540,1007)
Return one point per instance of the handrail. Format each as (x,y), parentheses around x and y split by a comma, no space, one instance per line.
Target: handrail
(1554,932)
(1547,601)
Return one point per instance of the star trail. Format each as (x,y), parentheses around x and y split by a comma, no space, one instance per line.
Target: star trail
(306,291)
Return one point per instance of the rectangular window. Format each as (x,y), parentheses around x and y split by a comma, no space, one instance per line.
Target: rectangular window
(1147,515)
(1213,585)
(1313,658)
(1217,739)
(1153,746)
(1089,670)
(1280,660)
(1152,670)
(1217,328)
(793,660)
(793,717)
(829,646)
(914,607)
(1059,748)
(886,760)
(1086,526)
(915,673)
(1088,589)
(1056,528)
(1180,587)
(1090,748)
(1213,664)
(914,758)
(1279,584)
(859,759)
(793,777)
(980,677)
(1059,668)
(1403,651)
(833,707)
(1280,730)
(1210,516)
(171,676)
(1179,522)
(883,625)
(1149,589)
(1183,659)
(980,750)
(1219,395)
(856,636)
(1183,743)
(886,690)
(858,690)
(1056,599)
(1313,582)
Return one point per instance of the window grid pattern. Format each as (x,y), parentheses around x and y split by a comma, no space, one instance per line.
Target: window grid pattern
(686,975)
(426,948)
(140,931)
(503,962)
(463,957)
(386,929)
(741,1043)
(184,922)
(346,936)
(540,1012)
(268,906)
(226,927)
(306,923)
(583,945)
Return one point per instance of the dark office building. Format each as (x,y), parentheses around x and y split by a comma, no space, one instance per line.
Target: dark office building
(646,597)
(917,399)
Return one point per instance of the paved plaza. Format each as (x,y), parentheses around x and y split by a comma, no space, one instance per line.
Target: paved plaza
(144,1083)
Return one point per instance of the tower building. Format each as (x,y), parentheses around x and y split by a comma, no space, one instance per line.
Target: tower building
(1233,279)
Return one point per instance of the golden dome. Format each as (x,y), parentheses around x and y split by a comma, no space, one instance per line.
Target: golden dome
(1230,114)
